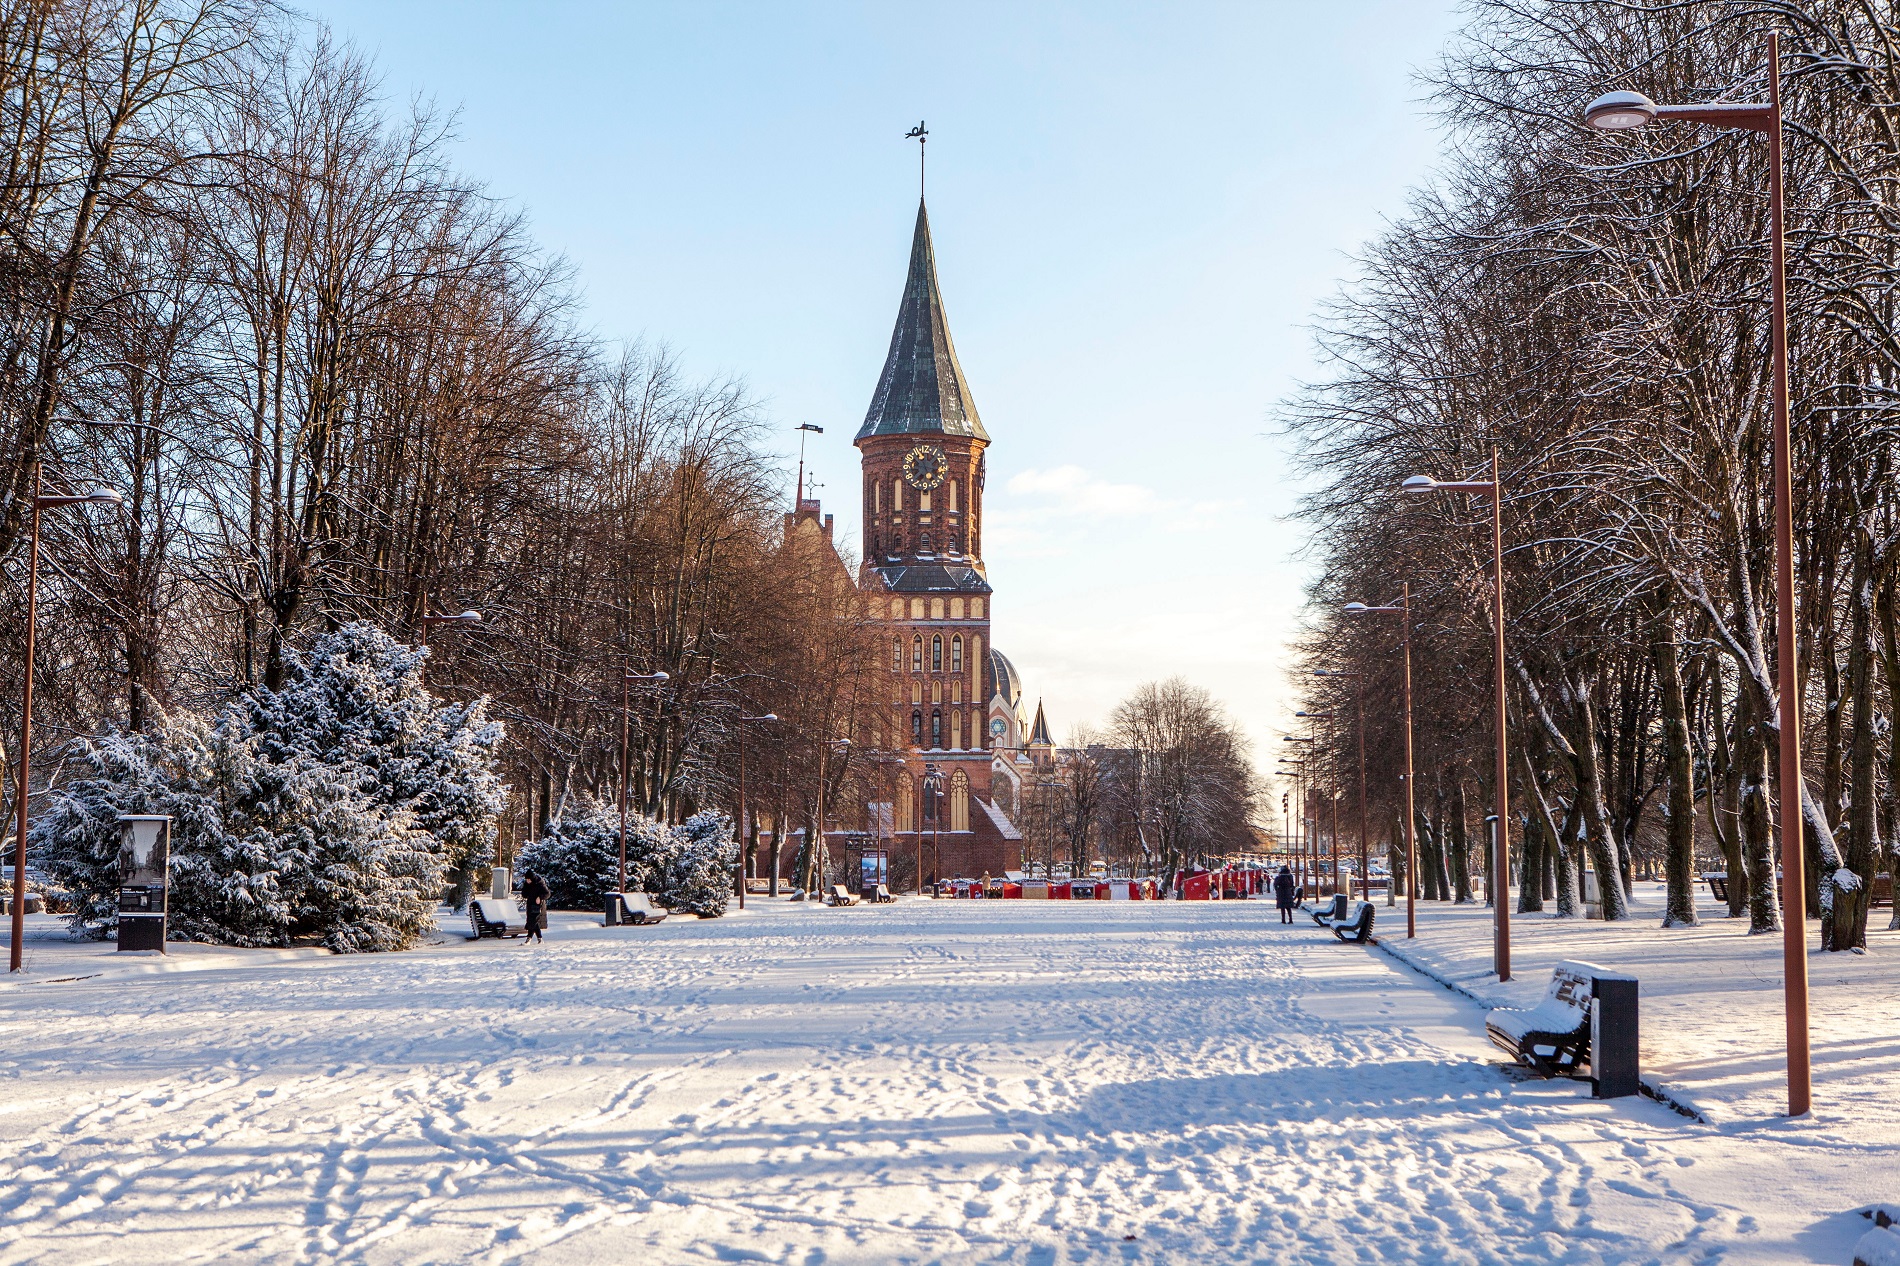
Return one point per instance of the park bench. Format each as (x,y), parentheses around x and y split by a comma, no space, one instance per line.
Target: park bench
(1552,1037)
(484,920)
(1882,894)
(880,895)
(1330,913)
(1358,928)
(1718,885)
(639,907)
(840,896)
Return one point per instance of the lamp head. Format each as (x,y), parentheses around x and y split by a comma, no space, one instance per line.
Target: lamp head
(105,497)
(1419,483)
(1619,111)
(1354,608)
(770,716)
(470,617)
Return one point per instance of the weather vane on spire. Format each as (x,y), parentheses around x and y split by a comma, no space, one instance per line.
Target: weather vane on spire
(921,135)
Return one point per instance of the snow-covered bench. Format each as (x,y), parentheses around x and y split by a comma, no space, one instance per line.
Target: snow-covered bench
(1330,913)
(488,917)
(1552,1037)
(880,895)
(1718,884)
(638,907)
(840,896)
(1358,928)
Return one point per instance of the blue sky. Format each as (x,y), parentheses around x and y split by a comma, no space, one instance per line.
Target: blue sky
(1137,209)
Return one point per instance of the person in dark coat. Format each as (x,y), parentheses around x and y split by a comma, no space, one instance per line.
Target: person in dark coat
(534,895)
(1283,889)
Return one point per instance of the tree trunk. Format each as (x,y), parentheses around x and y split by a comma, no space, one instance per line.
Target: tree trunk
(1845,924)
(1460,843)
(1757,821)
(1679,855)
(1599,840)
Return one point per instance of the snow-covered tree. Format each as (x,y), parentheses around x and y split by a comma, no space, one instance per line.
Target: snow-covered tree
(357,700)
(696,874)
(578,855)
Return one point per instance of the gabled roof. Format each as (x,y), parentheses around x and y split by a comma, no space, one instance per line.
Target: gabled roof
(922,389)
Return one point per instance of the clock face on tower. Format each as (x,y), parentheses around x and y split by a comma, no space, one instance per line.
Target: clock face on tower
(925,467)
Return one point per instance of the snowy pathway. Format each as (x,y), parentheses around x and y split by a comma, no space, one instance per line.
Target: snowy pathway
(950,1081)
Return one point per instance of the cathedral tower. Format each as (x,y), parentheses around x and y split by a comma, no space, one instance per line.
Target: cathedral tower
(922,445)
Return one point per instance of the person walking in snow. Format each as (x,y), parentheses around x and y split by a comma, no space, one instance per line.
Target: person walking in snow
(1283,893)
(534,895)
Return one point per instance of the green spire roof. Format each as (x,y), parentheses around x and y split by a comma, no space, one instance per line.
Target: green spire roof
(922,389)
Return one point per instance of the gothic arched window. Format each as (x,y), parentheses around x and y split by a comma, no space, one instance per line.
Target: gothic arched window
(959,801)
(936,727)
(930,804)
(936,653)
(917,729)
(956,653)
(897,654)
(956,730)
(917,653)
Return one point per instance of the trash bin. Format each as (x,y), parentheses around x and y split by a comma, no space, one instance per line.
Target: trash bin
(144,867)
(1615,1062)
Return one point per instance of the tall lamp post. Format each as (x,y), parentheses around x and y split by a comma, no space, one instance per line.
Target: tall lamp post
(626,704)
(1620,112)
(1365,848)
(101,496)
(1492,488)
(744,720)
(1404,611)
(1297,768)
(1304,822)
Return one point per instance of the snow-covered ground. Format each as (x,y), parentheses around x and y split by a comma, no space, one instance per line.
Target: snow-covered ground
(927,1082)
(1713,1024)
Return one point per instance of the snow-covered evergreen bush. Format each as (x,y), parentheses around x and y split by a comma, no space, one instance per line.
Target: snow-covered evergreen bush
(75,841)
(357,699)
(696,876)
(334,808)
(687,868)
(578,855)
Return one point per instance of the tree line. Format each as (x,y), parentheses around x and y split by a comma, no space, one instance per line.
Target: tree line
(1595,308)
(337,384)
(1170,781)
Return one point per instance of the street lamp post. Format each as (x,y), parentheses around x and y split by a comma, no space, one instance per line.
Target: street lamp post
(743,721)
(1621,111)
(1297,768)
(1501,847)
(1404,611)
(1365,848)
(626,702)
(1335,798)
(102,496)
(1306,825)
(465,618)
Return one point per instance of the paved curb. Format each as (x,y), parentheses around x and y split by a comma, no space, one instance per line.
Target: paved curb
(1661,1092)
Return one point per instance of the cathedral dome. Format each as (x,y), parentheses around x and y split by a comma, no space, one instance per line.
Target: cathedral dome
(1009,682)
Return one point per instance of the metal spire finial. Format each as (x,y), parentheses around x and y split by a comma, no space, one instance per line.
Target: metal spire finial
(921,135)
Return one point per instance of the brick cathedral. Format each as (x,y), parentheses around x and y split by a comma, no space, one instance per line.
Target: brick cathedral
(956,704)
